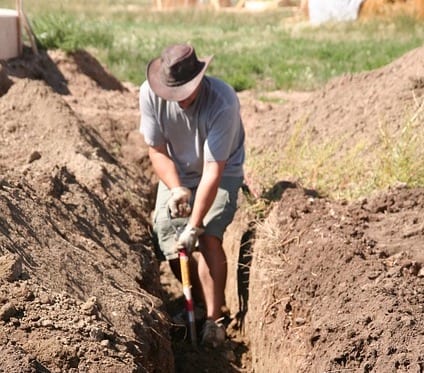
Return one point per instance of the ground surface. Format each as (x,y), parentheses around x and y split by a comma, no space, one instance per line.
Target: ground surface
(325,285)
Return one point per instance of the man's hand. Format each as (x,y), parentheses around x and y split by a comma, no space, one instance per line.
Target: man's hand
(188,237)
(179,202)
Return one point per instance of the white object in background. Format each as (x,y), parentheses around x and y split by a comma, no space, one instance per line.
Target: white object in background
(10,34)
(321,11)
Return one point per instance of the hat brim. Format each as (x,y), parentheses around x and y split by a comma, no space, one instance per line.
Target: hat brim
(177,93)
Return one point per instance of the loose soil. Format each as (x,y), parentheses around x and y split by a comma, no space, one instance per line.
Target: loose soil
(315,285)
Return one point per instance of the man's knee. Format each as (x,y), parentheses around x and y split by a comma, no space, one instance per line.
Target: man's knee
(209,242)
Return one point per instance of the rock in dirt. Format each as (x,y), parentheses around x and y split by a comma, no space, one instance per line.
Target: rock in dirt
(10,267)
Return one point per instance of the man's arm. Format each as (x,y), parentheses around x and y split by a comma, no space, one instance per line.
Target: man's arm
(206,191)
(163,166)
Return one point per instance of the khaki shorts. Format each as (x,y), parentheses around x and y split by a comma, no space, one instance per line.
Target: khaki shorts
(219,216)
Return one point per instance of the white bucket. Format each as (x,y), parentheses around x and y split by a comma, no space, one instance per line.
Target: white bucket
(10,34)
(258,6)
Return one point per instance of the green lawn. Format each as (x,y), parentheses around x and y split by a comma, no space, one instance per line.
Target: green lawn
(262,50)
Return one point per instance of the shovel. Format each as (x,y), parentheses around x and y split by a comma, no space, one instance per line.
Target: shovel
(189,303)
(186,283)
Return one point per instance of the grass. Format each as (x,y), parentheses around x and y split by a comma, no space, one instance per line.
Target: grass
(401,157)
(398,158)
(263,51)
(259,51)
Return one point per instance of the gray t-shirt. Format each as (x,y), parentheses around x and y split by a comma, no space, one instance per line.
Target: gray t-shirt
(211,129)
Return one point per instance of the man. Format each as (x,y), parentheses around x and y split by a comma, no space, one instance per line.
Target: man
(192,125)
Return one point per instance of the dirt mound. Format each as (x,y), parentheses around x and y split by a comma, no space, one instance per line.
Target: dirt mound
(86,294)
(351,114)
(342,284)
(351,107)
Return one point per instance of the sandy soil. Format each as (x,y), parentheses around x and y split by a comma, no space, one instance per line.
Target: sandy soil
(315,285)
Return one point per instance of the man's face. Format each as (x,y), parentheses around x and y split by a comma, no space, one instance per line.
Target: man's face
(185,104)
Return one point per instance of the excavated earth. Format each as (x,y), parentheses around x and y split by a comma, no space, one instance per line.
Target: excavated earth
(315,285)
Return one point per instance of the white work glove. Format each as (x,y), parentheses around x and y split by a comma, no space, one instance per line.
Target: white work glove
(179,202)
(188,237)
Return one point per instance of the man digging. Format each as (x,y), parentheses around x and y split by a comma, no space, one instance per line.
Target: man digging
(192,125)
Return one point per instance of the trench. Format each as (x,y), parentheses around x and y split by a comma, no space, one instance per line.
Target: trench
(239,241)
(234,355)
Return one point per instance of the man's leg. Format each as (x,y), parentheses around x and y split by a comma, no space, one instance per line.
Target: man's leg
(212,270)
(208,275)
(212,263)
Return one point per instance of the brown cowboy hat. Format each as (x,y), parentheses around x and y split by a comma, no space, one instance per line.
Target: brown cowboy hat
(177,72)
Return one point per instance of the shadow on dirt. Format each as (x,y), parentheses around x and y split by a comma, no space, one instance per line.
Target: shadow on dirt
(41,67)
(38,67)
(277,191)
(89,66)
(194,359)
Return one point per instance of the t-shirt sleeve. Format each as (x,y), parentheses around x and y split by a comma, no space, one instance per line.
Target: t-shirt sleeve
(222,134)
(149,125)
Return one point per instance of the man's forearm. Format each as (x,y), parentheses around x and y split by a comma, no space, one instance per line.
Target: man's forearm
(205,195)
(206,192)
(164,168)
